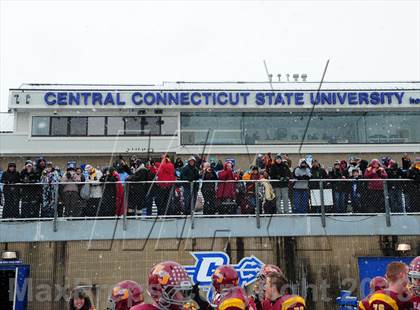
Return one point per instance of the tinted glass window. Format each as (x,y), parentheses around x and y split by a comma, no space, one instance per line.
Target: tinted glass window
(59,126)
(78,126)
(96,126)
(40,126)
(115,126)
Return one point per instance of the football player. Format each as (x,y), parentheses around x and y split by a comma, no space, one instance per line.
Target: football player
(223,278)
(125,295)
(276,290)
(376,284)
(414,276)
(233,298)
(170,288)
(262,303)
(395,297)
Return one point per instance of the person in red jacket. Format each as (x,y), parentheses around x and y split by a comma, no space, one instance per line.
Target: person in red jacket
(376,188)
(276,291)
(165,172)
(376,284)
(226,190)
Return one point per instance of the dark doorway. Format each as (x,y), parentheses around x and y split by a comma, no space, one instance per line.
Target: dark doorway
(7,283)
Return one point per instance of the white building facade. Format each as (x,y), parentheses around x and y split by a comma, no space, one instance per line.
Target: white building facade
(214,118)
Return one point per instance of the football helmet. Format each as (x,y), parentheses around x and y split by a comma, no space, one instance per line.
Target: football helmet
(224,276)
(125,295)
(378,283)
(170,286)
(414,275)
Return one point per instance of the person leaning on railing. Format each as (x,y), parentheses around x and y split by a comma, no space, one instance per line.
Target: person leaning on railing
(11,191)
(164,190)
(340,188)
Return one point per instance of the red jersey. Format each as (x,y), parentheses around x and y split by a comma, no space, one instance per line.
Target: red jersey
(266,304)
(289,302)
(389,300)
(364,303)
(144,307)
(416,302)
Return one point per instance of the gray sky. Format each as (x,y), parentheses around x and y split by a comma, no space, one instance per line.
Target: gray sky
(139,41)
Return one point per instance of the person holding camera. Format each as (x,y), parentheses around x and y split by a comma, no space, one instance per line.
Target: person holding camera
(70,192)
(376,188)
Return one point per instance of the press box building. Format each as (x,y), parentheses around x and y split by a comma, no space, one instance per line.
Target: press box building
(222,120)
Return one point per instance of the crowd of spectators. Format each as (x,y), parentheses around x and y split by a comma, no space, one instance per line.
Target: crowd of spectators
(177,187)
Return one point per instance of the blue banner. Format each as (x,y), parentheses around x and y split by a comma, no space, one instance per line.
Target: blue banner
(370,267)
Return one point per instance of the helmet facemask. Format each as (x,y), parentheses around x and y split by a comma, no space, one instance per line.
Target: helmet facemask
(176,295)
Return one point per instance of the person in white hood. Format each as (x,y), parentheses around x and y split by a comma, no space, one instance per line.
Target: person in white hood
(95,193)
(302,174)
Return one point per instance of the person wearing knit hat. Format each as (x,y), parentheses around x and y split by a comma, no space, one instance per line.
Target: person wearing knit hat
(191,174)
(31,194)
(11,192)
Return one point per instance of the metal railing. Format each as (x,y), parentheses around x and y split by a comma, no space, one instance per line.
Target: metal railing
(252,198)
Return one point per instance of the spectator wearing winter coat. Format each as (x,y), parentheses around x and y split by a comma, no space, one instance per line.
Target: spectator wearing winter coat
(111,193)
(179,164)
(280,175)
(395,188)
(138,188)
(268,160)
(317,172)
(32,192)
(219,166)
(286,158)
(11,191)
(251,189)
(165,191)
(70,190)
(95,191)
(340,189)
(406,162)
(191,174)
(356,190)
(269,197)
(208,188)
(376,188)
(302,174)
(226,190)
(50,179)
(413,188)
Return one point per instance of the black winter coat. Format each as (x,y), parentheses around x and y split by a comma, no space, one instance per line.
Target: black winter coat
(280,172)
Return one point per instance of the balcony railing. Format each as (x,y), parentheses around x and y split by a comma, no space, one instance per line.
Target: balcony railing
(167,199)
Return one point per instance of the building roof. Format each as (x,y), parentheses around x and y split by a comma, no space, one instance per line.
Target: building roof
(228,85)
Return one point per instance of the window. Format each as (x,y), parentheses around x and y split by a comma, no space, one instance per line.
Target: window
(40,126)
(289,128)
(168,126)
(59,126)
(151,126)
(115,126)
(133,126)
(96,126)
(78,126)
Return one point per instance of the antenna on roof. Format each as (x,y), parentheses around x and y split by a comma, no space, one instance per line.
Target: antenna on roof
(270,76)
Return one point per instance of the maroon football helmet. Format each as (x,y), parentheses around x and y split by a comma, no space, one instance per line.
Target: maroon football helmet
(125,295)
(170,286)
(224,276)
(378,283)
(414,275)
